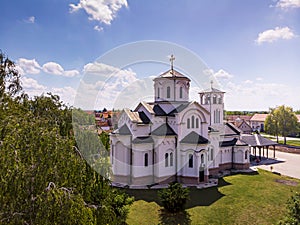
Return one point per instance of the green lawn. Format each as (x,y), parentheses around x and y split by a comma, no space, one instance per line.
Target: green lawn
(240,199)
(291,142)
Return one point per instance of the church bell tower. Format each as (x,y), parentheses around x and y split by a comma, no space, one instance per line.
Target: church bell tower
(212,100)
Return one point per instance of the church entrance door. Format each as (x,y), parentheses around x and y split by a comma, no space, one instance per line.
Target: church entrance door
(201,174)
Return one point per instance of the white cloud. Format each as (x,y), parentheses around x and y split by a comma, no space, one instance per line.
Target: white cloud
(284,4)
(222,74)
(103,84)
(53,68)
(248,82)
(256,95)
(275,34)
(98,28)
(31,66)
(67,94)
(28,66)
(32,84)
(30,19)
(103,11)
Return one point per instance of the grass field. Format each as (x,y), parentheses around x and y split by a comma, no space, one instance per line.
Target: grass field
(291,142)
(258,198)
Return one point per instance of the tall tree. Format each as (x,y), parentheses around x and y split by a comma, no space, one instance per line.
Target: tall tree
(44,177)
(281,121)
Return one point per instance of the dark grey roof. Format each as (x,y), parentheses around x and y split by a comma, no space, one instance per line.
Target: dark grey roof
(138,140)
(159,111)
(228,143)
(144,118)
(230,130)
(163,130)
(178,109)
(194,138)
(257,140)
(124,130)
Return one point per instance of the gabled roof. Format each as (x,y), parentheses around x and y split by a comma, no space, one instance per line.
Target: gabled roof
(163,130)
(172,74)
(178,109)
(146,139)
(159,111)
(123,130)
(231,130)
(245,123)
(194,138)
(256,140)
(228,143)
(133,116)
(259,117)
(147,106)
(144,118)
(211,90)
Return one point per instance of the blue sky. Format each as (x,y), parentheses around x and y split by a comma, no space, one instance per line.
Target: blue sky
(252,47)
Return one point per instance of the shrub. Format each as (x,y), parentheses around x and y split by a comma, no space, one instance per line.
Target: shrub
(174,197)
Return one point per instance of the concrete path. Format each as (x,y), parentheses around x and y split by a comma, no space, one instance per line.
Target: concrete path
(285,163)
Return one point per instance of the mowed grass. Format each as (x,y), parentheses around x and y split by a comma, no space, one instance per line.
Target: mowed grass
(291,142)
(240,199)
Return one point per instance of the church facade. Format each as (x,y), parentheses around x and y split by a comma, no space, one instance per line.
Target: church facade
(174,139)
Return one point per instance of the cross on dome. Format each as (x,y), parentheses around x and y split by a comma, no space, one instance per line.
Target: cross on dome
(172,59)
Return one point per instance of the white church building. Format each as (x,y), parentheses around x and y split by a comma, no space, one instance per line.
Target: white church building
(174,139)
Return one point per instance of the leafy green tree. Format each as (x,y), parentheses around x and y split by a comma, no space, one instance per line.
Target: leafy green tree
(293,211)
(281,120)
(174,197)
(44,178)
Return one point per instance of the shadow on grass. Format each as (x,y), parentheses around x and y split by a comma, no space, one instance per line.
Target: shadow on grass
(198,197)
(167,218)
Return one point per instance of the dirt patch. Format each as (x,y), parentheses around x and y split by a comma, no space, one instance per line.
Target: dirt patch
(287,182)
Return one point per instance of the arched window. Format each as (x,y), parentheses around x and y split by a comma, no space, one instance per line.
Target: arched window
(211,154)
(220,100)
(188,123)
(215,116)
(197,122)
(146,160)
(207,99)
(193,122)
(158,93)
(180,92)
(191,161)
(214,99)
(168,92)
(246,155)
(202,159)
(166,160)
(171,159)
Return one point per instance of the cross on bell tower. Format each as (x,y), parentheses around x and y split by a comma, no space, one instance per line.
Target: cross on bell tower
(172,59)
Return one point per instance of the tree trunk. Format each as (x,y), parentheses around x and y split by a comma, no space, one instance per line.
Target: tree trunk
(284,139)
(277,138)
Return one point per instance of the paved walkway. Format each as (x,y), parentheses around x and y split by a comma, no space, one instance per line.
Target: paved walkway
(285,163)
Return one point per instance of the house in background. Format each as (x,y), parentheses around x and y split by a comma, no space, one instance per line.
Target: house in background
(240,121)
(257,122)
